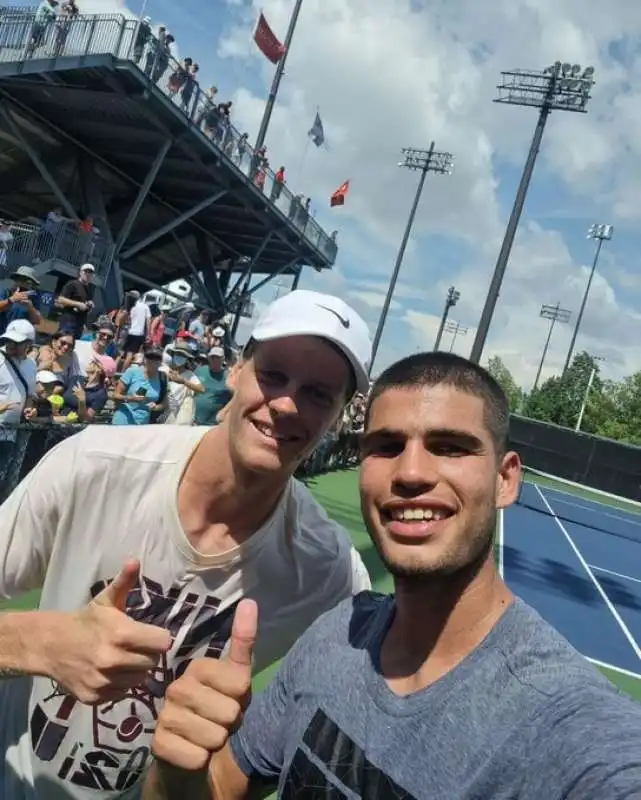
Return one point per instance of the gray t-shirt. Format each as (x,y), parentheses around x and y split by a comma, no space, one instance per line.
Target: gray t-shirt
(523,717)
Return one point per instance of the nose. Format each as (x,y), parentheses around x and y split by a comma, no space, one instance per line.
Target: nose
(284,402)
(415,470)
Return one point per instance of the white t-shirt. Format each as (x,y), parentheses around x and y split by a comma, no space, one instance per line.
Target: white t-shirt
(180,400)
(93,501)
(11,388)
(139,316)
(85,354)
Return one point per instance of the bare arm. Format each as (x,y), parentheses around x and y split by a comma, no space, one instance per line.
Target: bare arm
(25,640)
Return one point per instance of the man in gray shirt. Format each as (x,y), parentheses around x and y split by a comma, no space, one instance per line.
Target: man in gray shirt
(452,689)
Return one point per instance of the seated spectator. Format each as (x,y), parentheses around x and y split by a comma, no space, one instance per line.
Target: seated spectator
(141,390)
(59,357)
(86,401)
(48,397)
(213,378)
(100,347)
(22,300)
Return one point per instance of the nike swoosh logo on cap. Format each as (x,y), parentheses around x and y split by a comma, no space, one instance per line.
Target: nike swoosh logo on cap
(343,321)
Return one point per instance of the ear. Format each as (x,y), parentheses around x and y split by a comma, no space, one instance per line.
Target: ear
(508,480)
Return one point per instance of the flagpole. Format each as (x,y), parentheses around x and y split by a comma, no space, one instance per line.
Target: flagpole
(301,169)
(280,69)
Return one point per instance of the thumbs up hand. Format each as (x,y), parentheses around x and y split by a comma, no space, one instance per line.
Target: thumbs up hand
(206,704)
(100,652)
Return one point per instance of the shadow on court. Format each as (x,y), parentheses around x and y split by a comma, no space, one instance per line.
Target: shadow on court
(559,579)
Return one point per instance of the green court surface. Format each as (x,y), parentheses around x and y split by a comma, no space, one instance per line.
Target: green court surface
(338,492)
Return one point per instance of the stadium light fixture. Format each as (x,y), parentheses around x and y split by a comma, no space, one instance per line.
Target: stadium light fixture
(452,298)
(559,87)
(600,233)
(425,161)
(554,314)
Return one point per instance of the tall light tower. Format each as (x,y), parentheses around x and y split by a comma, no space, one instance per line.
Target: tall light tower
(561,87)
(601,233)
(425,161)
(451,300)
(554,314)
(456,329)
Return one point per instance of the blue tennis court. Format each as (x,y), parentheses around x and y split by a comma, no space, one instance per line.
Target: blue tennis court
(576,557)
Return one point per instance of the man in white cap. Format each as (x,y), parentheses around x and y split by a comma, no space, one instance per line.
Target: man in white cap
(216,395)
(17,388)
(76,299)
(189,520)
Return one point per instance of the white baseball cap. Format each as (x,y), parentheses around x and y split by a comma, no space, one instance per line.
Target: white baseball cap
(217,351)
(46,376)
(87,268)
(19,331)
(306,313)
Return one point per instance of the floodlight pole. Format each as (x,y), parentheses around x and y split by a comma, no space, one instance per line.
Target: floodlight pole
(426,161)
(455,329)
(600,233)
(546,102)
(586,396)
(280,71)
(451,300)
(554,314)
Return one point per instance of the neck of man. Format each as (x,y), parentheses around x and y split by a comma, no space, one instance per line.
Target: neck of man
(219,505)
(439,621)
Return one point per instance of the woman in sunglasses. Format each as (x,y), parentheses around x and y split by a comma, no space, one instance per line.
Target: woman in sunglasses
(58,357)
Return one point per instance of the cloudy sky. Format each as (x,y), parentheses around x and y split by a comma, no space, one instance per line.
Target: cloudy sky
(388,74)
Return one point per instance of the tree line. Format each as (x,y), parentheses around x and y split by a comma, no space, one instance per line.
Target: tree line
(613,408)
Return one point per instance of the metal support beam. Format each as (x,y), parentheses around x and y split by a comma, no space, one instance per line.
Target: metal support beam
(210,278)
(132,216)
(61,197)
(193,270)
(170,226)
(271,277)
(296,280)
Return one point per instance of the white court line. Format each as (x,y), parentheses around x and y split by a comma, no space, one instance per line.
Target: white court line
(631,518)
(616,574)
(611,667)
(591,575)
(500,536)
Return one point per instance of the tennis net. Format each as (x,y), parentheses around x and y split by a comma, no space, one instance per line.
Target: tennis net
(575,504)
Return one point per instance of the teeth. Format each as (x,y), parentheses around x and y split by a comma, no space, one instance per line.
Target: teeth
(409,514)
(269,432)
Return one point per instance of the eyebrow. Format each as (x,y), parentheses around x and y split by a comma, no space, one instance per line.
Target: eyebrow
(453,434)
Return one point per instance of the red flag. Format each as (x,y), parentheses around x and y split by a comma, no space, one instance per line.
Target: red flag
(267,42)
(338,198)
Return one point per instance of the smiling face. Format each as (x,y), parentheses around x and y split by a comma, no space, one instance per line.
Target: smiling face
(431,480)
(287,394)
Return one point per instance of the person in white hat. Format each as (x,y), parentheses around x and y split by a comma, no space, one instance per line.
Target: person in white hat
(167,528)
(17,389)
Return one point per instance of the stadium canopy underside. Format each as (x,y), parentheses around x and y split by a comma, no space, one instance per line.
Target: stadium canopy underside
(93,135)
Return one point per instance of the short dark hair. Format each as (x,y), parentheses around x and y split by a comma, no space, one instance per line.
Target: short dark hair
(437,368)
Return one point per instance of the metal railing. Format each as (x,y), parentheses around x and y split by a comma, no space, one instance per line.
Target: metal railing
(32,244)
(22,38)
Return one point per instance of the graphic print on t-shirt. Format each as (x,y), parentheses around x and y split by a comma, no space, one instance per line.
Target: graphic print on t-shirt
(111,752)
(329,760)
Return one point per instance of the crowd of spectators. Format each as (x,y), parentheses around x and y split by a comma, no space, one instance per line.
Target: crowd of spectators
(125,367)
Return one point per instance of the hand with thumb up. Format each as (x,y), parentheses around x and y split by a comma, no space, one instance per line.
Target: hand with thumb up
(100,652)
(206,704)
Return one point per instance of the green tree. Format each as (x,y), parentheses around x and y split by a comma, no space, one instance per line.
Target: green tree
(502,375)
(559,399)
(620,413)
